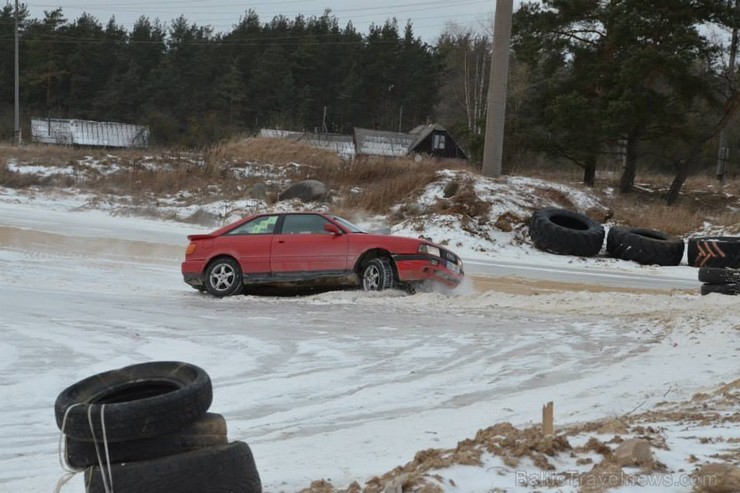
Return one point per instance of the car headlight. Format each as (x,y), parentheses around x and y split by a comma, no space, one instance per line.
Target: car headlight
(429,249)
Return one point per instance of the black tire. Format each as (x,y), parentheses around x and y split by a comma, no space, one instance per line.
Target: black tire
(644,246)
(714,251)
(377,275)
(221,469)
(208,431)
(141,401)
(731,289)
(715,275)
(566,232)
(223,277)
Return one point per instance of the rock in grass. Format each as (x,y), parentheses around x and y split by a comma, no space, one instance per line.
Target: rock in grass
(307,191)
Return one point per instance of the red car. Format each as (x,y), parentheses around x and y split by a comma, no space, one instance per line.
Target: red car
(310,247)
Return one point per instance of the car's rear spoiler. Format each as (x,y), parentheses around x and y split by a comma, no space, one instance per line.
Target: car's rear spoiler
(200,237)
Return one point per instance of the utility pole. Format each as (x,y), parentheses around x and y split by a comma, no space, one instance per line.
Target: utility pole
(17,91)
(723,154)
(497,84)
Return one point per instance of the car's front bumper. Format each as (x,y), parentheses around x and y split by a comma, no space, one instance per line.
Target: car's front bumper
(423,267)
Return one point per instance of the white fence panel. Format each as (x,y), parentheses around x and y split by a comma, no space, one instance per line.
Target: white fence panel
(88,133)
(51,131)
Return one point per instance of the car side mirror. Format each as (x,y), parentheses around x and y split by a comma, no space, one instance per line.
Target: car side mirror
(333,229)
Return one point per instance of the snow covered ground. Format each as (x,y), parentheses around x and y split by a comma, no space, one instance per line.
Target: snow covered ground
(343,385)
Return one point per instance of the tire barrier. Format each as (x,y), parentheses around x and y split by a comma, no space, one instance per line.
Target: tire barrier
(714,251)
(718,280)
(140,401)
(220,469)
(145,429)
(713,275)
(208,431)
(566,232)
(731,289)
(644,246)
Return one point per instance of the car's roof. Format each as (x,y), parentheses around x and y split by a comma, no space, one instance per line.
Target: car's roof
(245,219)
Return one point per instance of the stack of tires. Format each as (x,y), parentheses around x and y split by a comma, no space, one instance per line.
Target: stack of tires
(719,280)
(146,429)
(718,259)
(569,233)
(714,251)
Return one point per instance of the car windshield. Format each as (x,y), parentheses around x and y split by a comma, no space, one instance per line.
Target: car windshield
(348,225)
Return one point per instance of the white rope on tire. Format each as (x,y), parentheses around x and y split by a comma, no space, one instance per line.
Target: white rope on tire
(71,471)
(107,482)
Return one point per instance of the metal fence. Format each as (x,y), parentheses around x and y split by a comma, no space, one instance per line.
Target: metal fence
(88,133)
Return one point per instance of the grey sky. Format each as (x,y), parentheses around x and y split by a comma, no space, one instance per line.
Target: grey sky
(428,16)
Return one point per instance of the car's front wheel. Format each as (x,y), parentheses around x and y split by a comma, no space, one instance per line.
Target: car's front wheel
(377,275)
(224,277)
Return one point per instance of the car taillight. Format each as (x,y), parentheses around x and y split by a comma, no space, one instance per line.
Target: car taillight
(191,248)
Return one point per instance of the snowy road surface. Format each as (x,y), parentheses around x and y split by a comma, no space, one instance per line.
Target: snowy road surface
(667,278)
(342,385)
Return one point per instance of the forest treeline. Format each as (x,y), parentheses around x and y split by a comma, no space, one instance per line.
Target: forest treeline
(589,80)
(193,86)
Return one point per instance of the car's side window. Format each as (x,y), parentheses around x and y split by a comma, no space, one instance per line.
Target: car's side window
(257,226)
(304,224)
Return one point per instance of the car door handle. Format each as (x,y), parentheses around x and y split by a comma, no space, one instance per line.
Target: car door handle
(281,241)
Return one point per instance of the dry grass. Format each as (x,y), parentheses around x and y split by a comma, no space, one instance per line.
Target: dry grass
(11,179)
(52,155)
(273,151)
(137,181)
(370,184)
(138,172)
(376,184)
(703,200)
(37,154)
(729,221)
(635,212)
(365,185)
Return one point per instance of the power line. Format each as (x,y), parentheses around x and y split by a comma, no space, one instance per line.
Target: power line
(117,4)
(356,13)
(475,15)
(267,41)
(422,5)
(223,26)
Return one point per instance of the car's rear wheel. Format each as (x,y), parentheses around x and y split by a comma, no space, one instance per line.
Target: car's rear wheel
(377,275)
(224,277)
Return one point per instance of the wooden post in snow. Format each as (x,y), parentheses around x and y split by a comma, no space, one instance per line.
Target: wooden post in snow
(548,419)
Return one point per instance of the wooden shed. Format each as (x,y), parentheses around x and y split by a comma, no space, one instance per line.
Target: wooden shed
(435,140)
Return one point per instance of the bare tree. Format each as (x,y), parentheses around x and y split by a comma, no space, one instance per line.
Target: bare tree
(466,60)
